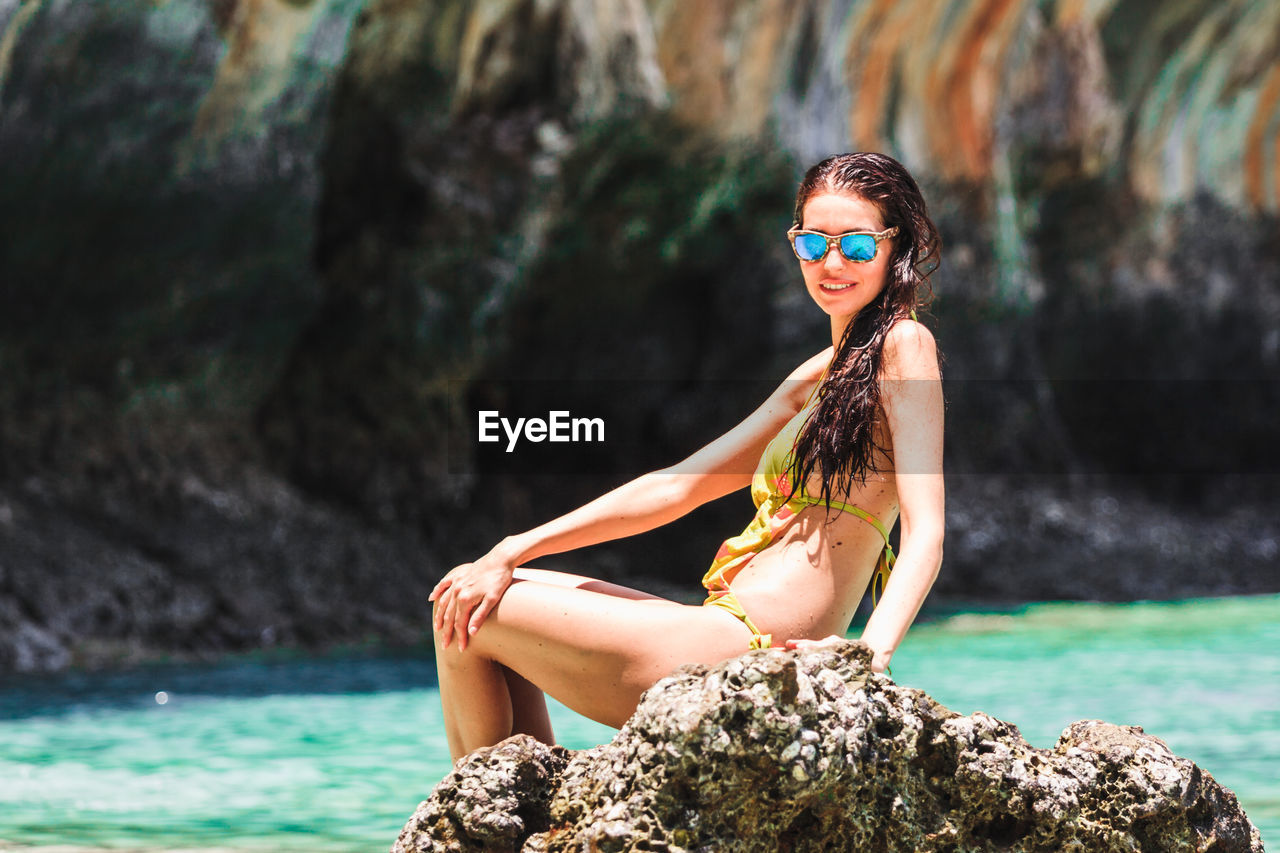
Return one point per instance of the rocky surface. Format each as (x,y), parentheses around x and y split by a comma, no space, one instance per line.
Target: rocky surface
(222,565)
(810,750)
(967,89)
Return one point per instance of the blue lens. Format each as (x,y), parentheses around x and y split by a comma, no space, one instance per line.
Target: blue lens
(858,247)
(810,247)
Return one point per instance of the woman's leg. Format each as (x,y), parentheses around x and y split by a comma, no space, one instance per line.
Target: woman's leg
(594,646)
(485,702)
(528,707)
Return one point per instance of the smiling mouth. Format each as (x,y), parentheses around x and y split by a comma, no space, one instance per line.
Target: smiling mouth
(831,285)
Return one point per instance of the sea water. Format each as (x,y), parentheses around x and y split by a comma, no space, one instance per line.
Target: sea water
(335,754)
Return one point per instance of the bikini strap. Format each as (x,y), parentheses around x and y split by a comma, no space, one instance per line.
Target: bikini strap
(816,386)
(883,568)
(865,516)
(884,565)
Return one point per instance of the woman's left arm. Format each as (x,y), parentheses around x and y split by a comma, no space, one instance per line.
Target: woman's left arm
(911,394)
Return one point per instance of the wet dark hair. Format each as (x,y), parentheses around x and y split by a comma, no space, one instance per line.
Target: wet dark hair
(838,436)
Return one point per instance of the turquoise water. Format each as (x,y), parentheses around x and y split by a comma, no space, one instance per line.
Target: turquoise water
(334,755)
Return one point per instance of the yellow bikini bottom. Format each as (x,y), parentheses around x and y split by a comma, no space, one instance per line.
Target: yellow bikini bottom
(729,601)
(717,583)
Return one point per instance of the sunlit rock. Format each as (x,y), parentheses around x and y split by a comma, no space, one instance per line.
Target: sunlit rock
(812,751)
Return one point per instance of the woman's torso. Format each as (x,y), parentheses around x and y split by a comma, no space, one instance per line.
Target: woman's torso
(808,581)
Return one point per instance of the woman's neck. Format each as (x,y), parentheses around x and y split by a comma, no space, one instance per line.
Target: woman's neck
(838,324)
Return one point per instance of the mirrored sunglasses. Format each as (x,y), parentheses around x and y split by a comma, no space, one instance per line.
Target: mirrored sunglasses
(856,246)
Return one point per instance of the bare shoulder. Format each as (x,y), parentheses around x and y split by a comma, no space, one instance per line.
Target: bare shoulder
(811,369)
(800,381)
(910,351)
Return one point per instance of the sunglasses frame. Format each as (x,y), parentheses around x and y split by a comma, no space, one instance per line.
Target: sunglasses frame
(835,241)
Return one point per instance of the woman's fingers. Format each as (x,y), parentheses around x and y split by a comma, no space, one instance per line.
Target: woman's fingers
(446,618)
(441,614)
(461,615)
(436,610)
(480,614)
(808,644)
(463,600)
(440,595)
(440,588)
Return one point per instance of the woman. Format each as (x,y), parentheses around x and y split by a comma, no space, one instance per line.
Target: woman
(860,424)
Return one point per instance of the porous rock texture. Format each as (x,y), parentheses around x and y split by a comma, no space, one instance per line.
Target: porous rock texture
(812,750)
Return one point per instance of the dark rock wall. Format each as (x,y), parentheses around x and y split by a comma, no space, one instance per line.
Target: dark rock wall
(296,243)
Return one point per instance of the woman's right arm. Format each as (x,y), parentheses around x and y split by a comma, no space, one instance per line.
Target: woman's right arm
(466,594)
(659,497)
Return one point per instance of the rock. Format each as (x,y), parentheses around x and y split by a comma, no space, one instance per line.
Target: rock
(491,803)
(104,580)
(811,750)
(590,56)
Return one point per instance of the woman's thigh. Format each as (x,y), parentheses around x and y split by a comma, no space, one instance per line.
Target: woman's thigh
(582,582)
(596,652)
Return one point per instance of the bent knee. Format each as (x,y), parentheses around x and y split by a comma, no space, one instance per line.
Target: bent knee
(438,635)
(453,654)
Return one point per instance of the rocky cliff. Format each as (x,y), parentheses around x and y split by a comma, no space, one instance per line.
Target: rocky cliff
(1168,98)
(298,243)
(811,751)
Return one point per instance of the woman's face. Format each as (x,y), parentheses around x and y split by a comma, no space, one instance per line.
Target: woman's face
(842,287)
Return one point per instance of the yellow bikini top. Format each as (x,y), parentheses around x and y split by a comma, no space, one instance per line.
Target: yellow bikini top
(773,472)
(770,485)
(772,480)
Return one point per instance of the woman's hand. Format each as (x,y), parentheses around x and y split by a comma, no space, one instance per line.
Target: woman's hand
(466,595)
(879,660)
(814,644)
